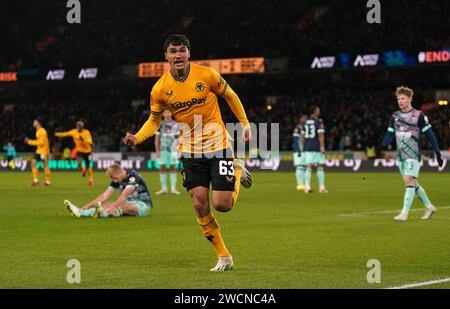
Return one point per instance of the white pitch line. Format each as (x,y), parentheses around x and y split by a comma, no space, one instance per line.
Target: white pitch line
(418,284)
(356,214)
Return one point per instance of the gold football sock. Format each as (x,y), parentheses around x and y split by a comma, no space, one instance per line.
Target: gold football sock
(47,174)
(35,172)
(90,174)
(237,184)
(211,230)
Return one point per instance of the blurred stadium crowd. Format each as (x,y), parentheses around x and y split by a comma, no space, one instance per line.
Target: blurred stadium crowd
(354,120)
(113,34)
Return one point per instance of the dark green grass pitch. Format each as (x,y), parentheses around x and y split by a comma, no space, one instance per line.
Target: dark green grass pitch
(279,237)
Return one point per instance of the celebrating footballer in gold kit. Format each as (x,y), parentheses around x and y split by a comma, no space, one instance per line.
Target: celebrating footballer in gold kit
(83,146)
(190,92)
(42,153)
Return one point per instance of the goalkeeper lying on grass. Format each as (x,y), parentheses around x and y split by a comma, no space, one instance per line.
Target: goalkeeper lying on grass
(134,199)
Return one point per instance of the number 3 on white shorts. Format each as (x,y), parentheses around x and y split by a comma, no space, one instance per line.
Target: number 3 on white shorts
(226,168)
(409,166)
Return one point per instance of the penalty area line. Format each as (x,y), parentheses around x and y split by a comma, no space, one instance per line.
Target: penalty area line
(419,284)
(357,214)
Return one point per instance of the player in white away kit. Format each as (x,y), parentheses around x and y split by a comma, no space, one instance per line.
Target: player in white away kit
(166,144)
(407,124)
(299,155)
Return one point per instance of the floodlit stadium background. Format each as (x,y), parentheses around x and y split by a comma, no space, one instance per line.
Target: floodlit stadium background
(280,57)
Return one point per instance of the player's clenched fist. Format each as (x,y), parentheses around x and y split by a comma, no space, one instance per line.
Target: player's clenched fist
(246,134)
(130,139)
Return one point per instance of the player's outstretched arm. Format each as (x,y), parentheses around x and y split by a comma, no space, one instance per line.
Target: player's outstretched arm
(123,197)
(148,130)
(101,198)
(238,110)
(63,134)
(35,142)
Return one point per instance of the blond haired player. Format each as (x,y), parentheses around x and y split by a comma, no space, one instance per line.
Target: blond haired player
(134,199)
(406,125)
(42,153)
(83,146)
(190,92)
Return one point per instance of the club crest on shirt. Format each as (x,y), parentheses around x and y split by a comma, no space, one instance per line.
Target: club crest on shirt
(199,87)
